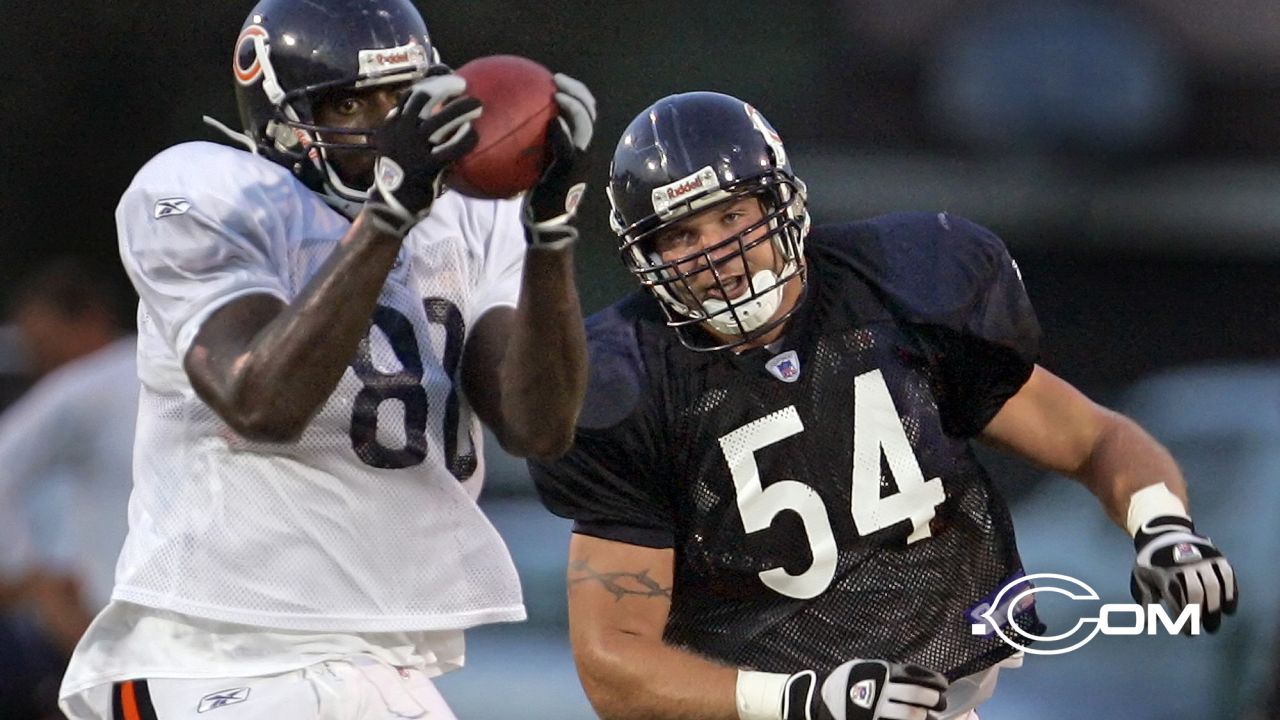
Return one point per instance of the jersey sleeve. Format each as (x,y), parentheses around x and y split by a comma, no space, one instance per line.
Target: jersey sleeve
(503,260)
(193,241)
(956,282)
(610,483)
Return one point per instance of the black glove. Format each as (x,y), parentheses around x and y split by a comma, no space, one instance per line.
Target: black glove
(866,690)
(430,128)
(550,206)
(1177,566)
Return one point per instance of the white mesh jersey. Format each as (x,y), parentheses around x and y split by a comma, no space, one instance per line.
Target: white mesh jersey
(368,522)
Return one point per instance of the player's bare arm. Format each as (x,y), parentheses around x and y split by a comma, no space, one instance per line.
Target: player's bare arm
(525,370)
(1050,422)
(265,366)
(619,601)
(619,598)
(1053,424)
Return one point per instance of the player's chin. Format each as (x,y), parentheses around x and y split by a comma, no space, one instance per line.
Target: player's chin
(355,169)
(361,178)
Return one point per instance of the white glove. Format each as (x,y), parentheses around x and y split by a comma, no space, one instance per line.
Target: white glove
(551,205)
(429,129)
(1176,567)
(866,690)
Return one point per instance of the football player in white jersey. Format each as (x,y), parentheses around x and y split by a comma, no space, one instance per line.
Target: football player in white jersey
(321,328)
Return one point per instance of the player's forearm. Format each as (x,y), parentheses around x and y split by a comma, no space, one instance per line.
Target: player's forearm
(544,368)
(627,677)
(1124,460)
(270,387)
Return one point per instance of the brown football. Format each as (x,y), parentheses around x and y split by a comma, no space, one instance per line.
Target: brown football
(511,152)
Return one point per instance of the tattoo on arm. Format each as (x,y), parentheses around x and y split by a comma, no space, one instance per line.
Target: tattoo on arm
(620,584)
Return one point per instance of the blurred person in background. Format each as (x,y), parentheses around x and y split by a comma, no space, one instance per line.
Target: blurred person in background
(777,511)
(322,328)
(15,375)
(65,451)
(62,312)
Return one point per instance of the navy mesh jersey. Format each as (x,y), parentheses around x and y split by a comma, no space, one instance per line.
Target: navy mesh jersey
(829,508)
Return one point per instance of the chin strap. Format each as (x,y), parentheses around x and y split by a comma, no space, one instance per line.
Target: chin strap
(237,137)
(346,207)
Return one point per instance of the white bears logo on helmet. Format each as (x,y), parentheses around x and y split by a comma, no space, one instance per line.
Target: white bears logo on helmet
(257,35)
(771,137)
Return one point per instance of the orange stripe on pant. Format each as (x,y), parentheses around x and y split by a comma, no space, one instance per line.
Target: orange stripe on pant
(129,701)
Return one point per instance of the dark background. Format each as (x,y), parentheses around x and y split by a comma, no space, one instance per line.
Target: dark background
(1127,151)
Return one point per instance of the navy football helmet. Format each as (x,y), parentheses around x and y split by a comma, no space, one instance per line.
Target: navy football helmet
(292,51)
(686,153)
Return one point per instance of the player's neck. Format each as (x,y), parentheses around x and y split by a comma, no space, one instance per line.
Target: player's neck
(765,340)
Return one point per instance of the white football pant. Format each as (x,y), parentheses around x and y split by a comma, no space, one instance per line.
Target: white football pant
(355,688)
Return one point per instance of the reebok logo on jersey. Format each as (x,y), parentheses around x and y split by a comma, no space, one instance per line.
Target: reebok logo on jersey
(785,367)
(168,207)
(863,694)
(222,698)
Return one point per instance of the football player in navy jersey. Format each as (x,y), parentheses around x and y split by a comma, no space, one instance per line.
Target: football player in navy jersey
(777,511)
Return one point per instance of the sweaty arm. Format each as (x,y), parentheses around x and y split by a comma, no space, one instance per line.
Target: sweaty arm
(524,369)
(1139,484)
(265,366)
(619,599)
(1053,424)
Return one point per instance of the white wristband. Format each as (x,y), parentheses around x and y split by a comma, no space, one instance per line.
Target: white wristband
(1150,502)
(759,695)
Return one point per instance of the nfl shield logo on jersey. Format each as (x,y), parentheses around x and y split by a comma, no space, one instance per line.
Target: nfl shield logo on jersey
(785,367)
